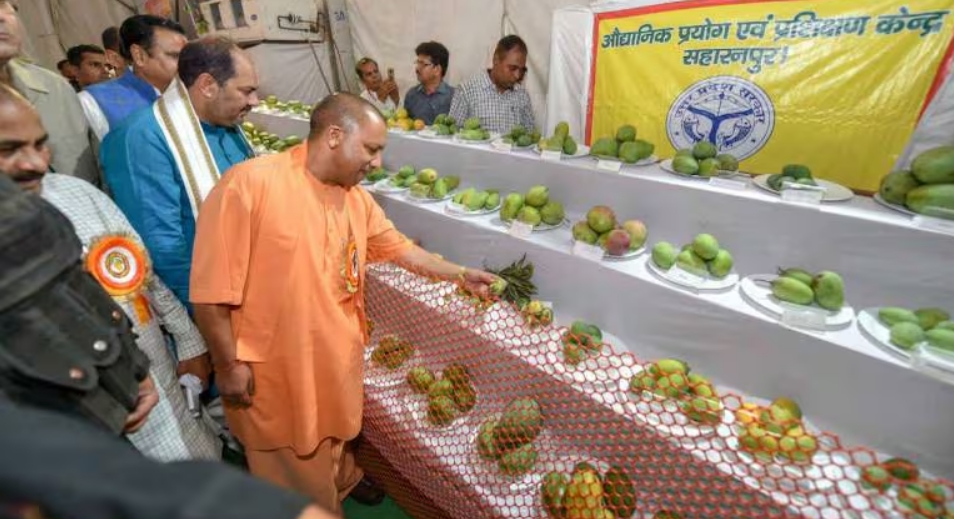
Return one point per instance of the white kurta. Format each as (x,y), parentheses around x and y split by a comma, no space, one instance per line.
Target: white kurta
(170,433)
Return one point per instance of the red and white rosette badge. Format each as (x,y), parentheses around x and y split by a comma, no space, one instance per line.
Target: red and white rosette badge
(119,264)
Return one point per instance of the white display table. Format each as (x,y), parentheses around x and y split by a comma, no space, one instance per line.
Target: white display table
(843,382)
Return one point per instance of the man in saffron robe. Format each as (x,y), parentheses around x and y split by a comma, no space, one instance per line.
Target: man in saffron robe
(278,286)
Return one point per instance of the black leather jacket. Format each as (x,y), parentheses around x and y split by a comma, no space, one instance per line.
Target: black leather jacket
(64,344)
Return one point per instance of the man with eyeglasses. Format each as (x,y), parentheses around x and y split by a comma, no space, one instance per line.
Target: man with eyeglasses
(497,96)
(432,96)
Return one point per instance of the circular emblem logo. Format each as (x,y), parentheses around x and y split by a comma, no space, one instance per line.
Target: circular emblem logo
(119,264)
(734,114)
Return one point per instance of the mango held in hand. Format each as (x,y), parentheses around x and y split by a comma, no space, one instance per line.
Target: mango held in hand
(792,290)
(829,291)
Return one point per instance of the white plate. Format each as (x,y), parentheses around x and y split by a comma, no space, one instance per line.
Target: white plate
(709,283)
(833,192)
(428,200)
(528,147)
(666,166)
(366,182)
(382,377)
(539,228)
(429,133)
(488,140)
(582,150)
(878,333)
(459,210)
(896,207)
(627,256)
(385,186)
(652,159)
(760,296)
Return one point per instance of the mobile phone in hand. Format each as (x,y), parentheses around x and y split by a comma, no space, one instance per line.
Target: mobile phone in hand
(391,74)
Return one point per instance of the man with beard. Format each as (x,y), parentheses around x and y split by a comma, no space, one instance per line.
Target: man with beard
(117,260)
(281,250)
(161,162)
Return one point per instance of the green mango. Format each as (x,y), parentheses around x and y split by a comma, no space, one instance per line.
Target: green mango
(554,143)
(573,353)
(619,492)
(485,440)
(562,130)
(517,131)
(605,147)
(644,149)
(626,133)
(512,204)
(477,201)
(552,213)
(583,467)
(583,233)
(671,366)
(774,182)
(441,410)
(464,397)
(443,130)
(537,196)
(518,461)
(704,150)
(709,168)
(587,335)
(471,135)
(493,200)
(464,196)
(944,325)
(664,255)
(453,181)
(420,190)
(727,162)
(906,335)
(472,124)
(829,290)
(792,290)
(552,490)
(932,200)
(928,318)
(721,265)
(406,171)
(800,274)
(524,140)
(796,171)
(629,152)
(706,246)
(519,424)
(457,374)
(935,166)
(410,181)
(685,165)
(529,215)
(439,190)
(442,387)
(601,219)
(693,263)
(941,339)
(890,316)
(420,379)
(895,186)
(569,146)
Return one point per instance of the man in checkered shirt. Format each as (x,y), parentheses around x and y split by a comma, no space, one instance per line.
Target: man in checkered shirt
(497,96)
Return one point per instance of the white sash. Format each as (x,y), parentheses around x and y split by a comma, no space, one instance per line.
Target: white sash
(182,131)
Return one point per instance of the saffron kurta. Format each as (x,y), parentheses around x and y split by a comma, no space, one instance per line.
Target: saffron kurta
(272,241)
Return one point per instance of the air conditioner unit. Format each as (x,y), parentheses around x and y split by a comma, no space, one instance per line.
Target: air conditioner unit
(258,20)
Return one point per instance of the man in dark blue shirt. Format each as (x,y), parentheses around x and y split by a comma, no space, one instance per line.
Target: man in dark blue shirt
(432,96)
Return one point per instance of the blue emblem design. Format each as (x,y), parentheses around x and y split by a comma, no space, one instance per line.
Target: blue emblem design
(734,114)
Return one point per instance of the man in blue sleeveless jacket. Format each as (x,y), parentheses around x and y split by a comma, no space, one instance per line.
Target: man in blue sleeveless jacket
(152,44)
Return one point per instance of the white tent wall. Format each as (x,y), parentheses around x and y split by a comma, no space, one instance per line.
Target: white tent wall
(569,84)
(52,26)
(468,28)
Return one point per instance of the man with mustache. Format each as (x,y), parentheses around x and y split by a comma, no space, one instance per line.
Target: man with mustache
(278,283)
(52,96)
(116,258)
(162,161)
(496,96)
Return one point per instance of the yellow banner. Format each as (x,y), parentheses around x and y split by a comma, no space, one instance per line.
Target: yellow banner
(837,85)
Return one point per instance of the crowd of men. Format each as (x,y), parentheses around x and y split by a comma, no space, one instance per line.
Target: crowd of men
(148,260)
